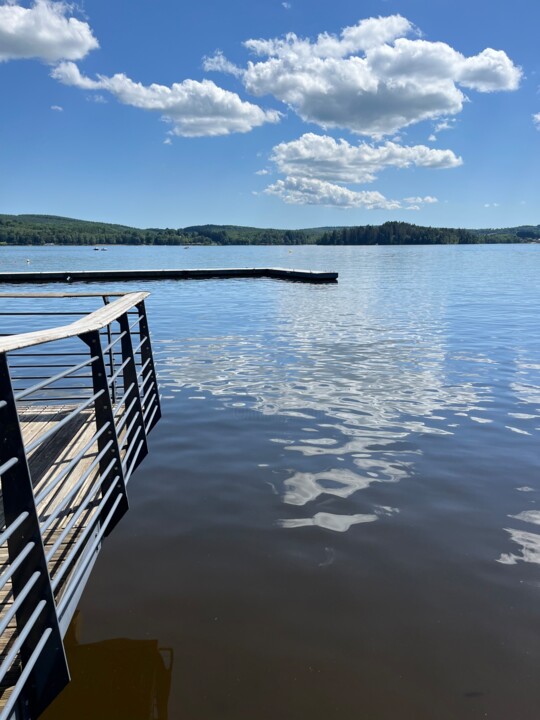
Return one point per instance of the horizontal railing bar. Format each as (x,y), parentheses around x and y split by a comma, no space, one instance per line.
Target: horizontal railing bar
(139,346)
(8,532)
(130,448)
(108,347)
(74,490)
(90,494)
(54,398)
(17,645)
(21,557)
(67,387)
(63,422)
(147,409)
(125,417)
(12,366)
(19,378)
(7,465)
(147,393)
(143,368)
(89,323)
(54,378)
(47,353)
(32,660)
(147,424)
(46,312)
(55,581)
(123,399)
(90,553)
(29,296)
(127,433)
(117,373)
(146,379)
(72,463)
(135,457)
(19,601)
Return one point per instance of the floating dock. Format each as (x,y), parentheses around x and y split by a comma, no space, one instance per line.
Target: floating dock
(71,276)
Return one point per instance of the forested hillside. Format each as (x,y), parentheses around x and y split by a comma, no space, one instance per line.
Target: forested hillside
(53,230)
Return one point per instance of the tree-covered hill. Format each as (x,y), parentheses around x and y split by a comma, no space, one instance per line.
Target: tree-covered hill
(50,229)
(54,230)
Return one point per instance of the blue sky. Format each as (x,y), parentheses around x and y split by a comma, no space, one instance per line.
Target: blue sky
(156,113)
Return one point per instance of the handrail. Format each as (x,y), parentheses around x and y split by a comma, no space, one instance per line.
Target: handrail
(93,321)
(73,501)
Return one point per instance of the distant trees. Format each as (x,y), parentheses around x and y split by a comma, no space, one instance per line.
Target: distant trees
(397,233)
(47,229)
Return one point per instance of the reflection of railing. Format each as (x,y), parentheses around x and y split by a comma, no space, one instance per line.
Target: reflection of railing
(117,678)
(76,405)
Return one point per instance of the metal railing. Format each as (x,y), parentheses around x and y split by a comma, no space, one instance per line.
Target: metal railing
(76,405)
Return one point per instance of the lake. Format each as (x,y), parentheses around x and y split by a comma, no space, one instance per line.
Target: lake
(339,515)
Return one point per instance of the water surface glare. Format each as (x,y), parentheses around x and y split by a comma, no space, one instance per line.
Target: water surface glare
(339,516)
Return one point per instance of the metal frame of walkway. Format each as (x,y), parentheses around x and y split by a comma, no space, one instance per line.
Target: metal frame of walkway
(77,403)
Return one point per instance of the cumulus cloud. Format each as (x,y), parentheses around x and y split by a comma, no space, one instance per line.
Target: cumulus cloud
(536,120)
(373,78)
(311,191)
(57,108)
(219,63)
(193,108)
(46,31)
(322,157)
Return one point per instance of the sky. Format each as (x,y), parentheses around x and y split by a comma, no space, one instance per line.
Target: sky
(308,113)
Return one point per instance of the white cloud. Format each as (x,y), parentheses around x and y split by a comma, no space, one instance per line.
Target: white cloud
(57,108)
(413,207)
(44,31)
(194,109)
(219,63)
(536,120)
(445,124)
(432,138)
(372,79)
(167,141)
(322,157)
(427,200)
(287,5)
(262,172)
(494,205)
(310,191)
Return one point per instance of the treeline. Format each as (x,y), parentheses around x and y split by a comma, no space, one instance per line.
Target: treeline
(53,230)
(398,233)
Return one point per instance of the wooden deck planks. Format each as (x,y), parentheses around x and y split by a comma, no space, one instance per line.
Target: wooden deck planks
(45,463)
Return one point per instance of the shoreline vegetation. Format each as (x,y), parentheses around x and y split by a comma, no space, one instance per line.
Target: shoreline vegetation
(54,230)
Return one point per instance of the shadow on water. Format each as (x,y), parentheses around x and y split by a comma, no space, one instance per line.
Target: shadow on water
(114,679)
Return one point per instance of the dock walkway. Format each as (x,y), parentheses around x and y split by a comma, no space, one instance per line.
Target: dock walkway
(77,403)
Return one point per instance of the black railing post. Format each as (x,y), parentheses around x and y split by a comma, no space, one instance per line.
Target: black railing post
(130,377)
(50,674)
(147,356)
(104,414)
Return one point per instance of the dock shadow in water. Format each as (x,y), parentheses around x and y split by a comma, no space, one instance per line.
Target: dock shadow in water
(116,679)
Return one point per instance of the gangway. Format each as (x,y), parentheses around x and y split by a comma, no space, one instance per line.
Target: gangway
(77,402)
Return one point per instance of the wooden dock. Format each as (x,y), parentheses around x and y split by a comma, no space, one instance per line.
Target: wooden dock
(72,276)
(77,403)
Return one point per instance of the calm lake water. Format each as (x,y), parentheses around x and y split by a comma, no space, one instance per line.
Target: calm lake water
(339,516)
